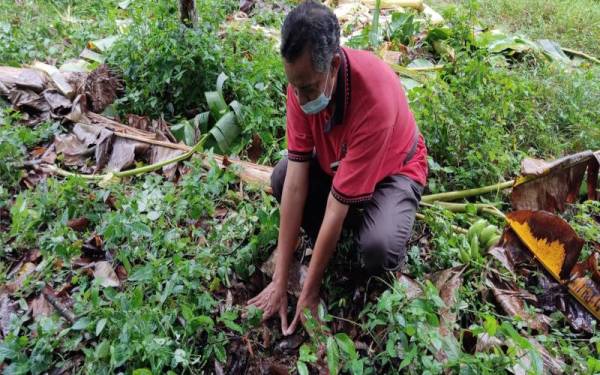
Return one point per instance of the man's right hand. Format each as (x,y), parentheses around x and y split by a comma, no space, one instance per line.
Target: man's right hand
(271,300)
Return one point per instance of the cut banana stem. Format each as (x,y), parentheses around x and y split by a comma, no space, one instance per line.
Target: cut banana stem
(454,195)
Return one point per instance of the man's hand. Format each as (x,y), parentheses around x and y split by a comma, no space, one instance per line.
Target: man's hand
(310,301)
(335,213)
(271,300)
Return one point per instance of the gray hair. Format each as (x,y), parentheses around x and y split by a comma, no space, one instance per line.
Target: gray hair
(311,25)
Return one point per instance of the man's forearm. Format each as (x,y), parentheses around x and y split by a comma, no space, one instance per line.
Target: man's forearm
(327,239)
(293,199)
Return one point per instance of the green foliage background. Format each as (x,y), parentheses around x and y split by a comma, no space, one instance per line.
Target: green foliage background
(479,121)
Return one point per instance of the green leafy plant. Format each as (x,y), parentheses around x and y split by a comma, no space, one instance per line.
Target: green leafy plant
(165,65)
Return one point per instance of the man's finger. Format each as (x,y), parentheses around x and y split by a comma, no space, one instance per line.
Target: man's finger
(283,317)
(252,300)
(292,326)
(267,314)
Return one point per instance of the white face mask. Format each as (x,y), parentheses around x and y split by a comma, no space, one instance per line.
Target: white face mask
(318,104)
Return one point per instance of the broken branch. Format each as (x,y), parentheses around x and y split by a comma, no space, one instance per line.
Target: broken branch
(59,306)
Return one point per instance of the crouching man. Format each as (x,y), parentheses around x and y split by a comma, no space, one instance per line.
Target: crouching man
(352,142)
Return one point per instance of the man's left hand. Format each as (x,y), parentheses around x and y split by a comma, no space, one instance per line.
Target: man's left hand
(308,300)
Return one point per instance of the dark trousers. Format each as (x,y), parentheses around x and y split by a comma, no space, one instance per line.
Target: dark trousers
(382,226)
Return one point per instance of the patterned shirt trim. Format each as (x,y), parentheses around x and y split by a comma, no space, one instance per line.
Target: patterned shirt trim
(299,155)
(344,199)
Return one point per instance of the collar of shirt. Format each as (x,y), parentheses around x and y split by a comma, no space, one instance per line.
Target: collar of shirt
(342,93)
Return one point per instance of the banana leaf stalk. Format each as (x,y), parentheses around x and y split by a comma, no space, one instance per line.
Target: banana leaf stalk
(454,195)
(584,55)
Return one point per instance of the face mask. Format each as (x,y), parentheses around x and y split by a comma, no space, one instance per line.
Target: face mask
(318,104)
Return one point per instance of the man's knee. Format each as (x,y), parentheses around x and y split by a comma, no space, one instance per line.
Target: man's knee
(380,252)
(278,178)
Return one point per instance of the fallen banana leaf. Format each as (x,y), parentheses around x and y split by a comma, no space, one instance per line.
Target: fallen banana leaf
(554,297)
(557,247)
(448,282)
(102,45)
(56,76)
(7,313)
(510,45)
(94,57)
(551,240)
(74,151)
(409,83)
(496,42)
(40,306)
(124,153)
(105,274)
(512,300)
(23,78)
(551,296)
(76,65)
(160,154)
(553,51)
(551,185)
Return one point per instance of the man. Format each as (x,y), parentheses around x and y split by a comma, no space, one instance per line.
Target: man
(352,142)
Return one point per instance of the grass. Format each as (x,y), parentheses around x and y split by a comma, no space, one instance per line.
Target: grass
(574,24)
(53,31)
(187,253)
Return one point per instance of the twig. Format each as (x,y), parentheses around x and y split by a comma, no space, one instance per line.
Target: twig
(24,164)
(59,306)
(346,320)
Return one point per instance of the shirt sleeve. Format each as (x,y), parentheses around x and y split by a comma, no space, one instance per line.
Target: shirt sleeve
(299,138)
(360,168)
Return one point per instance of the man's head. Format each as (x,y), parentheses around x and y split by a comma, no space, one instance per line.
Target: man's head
(310,40)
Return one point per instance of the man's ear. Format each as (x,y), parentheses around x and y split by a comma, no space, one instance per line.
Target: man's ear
(336,61)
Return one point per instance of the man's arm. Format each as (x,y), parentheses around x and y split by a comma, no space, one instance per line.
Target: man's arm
(329,234)
(273,298)
(295,189)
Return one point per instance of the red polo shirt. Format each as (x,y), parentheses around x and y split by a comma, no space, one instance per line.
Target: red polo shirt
(368,136)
